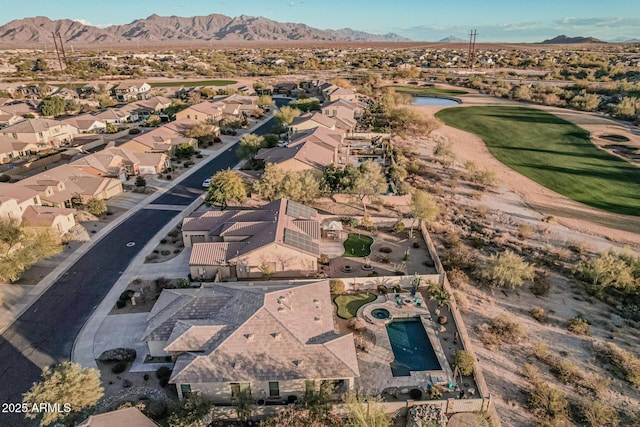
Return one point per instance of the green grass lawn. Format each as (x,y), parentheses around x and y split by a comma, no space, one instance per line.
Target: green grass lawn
(348,305)
(428,91)
(357,245)
(554,153)
(194,83)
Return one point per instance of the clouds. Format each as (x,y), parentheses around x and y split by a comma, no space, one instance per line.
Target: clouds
(605,28)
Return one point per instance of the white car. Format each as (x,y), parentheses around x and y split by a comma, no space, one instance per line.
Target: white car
(206,182)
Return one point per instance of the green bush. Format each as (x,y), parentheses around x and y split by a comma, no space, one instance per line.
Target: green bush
(464,361)
(398,227)
(579,326)
(623,361)
(165,252)
(548,404)
(121,303)
(336,286)
(163,374)
(539,314)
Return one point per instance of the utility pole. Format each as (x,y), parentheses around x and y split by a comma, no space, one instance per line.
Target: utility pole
(472,47)
(55,43)
(64,55)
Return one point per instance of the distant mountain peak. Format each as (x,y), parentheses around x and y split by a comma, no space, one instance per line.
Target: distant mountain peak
(156,28)
(564,39)
(452,39)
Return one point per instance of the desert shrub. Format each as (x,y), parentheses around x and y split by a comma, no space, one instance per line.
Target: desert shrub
(336,286)
(539,314)
(482,211)
(530,372)
(624,362)
(168,177)
(548,403)
(163,241)
(165,252)
(324,259)
(502,330)
(525,231)
(457,277)
(435,393)
(579,247)
(382,289)
(176,251)
(541,285)
(398,227)
(357,324)
(385,250)
(461,301)
(565,371)
(119,368)
(460,257)
(597,413)
(506,270)
(121,303)
(541,351)
(465,362)
(578,325)
(451,240)
(415,245)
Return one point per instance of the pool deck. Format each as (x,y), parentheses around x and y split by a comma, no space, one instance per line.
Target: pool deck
(375,369)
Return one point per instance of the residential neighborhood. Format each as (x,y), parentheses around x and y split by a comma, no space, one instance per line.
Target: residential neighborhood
(276,225)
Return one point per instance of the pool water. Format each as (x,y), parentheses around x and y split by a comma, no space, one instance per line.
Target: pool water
(380,313)
(411,348)
(434,101)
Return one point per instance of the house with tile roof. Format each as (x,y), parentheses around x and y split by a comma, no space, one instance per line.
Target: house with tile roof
(60,185)
(163,139)
(312,120)
(280,239)
(86,123)
(23,205)
(112,115)
(130,90)
(118,162)
(201,113)
(129,417)
(11,148)
(271,342)
(314,148)
(44,133)
(342,108)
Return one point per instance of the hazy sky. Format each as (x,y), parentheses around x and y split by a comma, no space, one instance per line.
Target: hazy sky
(496,20)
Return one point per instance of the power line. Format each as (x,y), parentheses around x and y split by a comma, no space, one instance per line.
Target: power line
(472,47)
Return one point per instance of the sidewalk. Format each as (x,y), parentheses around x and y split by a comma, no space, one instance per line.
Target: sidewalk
(101,332)
(26,296)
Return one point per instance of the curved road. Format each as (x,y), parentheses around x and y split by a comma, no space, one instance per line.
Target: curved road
(44,334)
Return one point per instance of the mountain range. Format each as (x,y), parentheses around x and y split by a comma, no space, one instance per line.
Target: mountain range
(562,39)
(153,29)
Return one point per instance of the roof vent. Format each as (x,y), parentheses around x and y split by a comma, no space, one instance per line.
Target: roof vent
(250,337)
(277,336)
(317,318)
(299,363)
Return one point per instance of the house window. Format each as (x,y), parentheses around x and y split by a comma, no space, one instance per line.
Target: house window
(40,134)
(274,389)
(35,200)
(195,117)
(185,389)
(240,388)
(15,135)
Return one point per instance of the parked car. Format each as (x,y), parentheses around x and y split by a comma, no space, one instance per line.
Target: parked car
(206,183)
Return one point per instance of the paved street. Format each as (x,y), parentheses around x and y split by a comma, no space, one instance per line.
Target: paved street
(44,334)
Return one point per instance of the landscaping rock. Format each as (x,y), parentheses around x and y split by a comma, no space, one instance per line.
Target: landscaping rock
(118,355)
(425,415)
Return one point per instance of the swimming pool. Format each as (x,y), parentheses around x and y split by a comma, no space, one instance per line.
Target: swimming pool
(412,349)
